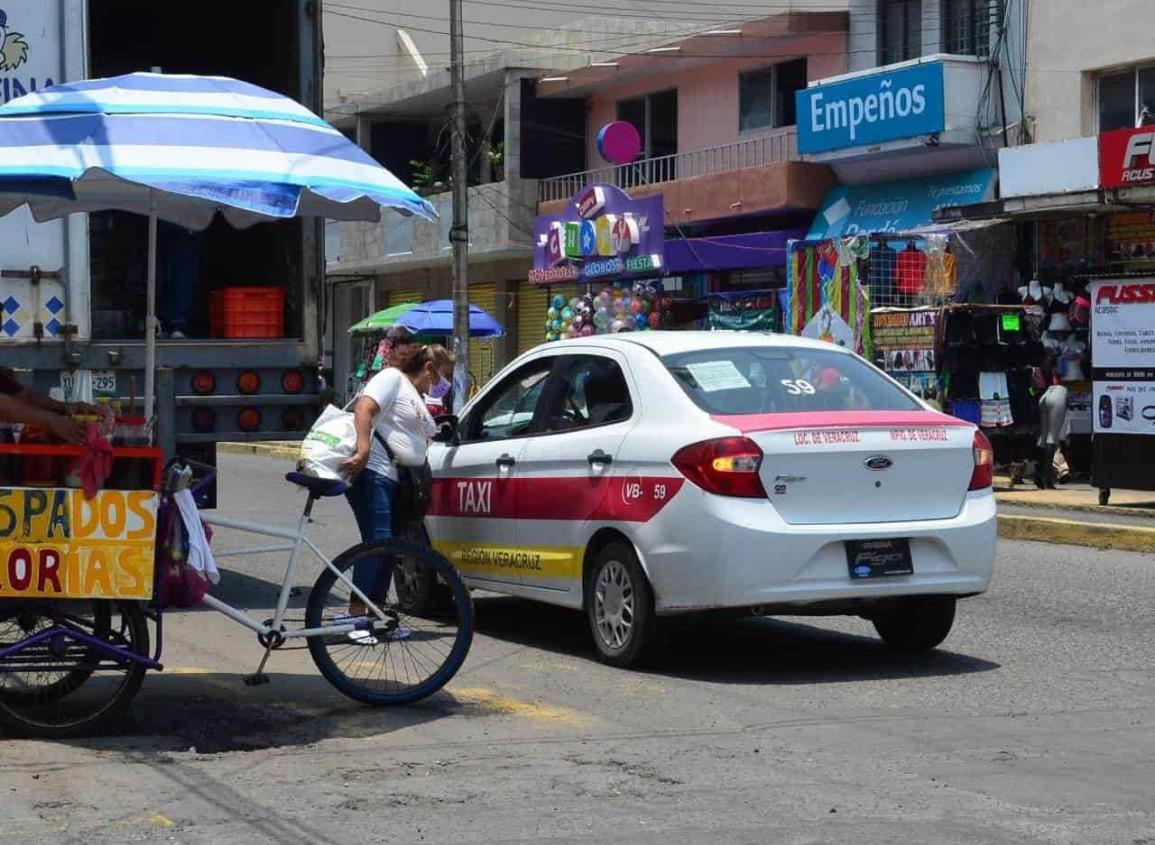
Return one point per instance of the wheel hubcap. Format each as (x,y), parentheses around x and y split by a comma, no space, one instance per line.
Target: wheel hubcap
(614,605)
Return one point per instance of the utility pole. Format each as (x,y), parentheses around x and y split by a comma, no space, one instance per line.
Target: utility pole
(459,233)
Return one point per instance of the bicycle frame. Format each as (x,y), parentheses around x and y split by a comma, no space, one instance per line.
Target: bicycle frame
(299,541)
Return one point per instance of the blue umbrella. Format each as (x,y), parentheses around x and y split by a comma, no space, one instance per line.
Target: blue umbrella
(436,317)
(183,149)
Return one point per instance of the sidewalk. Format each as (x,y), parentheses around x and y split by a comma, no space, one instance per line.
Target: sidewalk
(1072,515)
(1069,515)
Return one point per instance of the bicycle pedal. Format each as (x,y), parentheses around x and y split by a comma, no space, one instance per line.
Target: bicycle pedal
(256,680)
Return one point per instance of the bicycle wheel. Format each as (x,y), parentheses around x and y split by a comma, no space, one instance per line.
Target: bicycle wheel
(20,620)
(62,687)
(400,657)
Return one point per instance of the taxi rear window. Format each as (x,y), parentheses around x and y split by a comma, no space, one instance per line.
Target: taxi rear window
(766,380)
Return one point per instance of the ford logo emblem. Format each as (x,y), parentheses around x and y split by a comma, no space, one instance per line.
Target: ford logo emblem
(878,463)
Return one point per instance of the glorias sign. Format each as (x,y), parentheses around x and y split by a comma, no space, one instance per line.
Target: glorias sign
(601,233)
(862,110)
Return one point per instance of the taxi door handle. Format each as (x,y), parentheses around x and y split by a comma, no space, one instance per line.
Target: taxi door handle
(505,461)
(599,457)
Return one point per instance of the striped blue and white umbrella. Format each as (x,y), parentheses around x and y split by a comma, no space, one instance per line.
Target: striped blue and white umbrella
(183,149)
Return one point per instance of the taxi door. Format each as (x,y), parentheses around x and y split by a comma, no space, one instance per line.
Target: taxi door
(473,518)
(568,472)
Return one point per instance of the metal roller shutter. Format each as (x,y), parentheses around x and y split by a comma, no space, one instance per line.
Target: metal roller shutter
(396,297)
(483,353)
(532,302)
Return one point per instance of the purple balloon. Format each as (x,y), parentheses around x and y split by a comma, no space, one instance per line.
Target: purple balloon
(619,142)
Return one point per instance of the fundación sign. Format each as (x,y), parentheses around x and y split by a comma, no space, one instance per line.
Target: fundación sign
(886,106)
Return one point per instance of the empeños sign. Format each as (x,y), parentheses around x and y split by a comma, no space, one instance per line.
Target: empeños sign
(861,110)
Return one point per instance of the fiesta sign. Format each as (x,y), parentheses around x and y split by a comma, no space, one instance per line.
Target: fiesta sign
(56,543)
(602,232)
(872,109)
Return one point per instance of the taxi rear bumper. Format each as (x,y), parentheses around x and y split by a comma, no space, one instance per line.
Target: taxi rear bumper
(708,552)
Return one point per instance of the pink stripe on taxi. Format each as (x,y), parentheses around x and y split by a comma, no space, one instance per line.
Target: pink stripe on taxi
(750,423)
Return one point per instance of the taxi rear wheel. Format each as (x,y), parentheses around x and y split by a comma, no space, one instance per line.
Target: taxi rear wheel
(620,607)
(917,624)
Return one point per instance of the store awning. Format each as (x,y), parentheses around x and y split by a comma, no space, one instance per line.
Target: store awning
(897,206)
(729,252)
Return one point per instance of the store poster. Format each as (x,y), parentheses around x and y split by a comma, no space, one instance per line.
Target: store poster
(904,346)
(1123,351)
(755,311)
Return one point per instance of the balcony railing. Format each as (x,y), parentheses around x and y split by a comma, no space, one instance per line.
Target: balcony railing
(753,152)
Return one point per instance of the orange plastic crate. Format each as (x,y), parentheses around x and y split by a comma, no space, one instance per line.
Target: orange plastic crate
(247,312)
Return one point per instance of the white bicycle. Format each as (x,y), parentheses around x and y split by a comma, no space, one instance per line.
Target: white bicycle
(396,646)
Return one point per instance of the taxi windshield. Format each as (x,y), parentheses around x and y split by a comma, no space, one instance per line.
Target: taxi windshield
(762,380)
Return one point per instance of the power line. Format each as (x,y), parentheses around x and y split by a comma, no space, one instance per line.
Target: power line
(691,16)
(603,45)
(599,43)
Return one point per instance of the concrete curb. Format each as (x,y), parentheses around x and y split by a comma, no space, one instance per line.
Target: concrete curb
(1069,532)
(271,450)
(1113,510)
(1036,529)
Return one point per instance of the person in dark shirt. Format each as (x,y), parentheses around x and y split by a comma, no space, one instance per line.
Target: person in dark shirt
(22,405)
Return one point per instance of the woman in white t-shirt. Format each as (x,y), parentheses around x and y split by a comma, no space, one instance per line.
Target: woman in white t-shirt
(390,408)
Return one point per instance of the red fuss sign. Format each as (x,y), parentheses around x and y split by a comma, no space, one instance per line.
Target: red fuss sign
(1127,158)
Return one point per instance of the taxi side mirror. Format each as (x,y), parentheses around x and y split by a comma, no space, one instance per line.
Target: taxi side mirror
(446,429)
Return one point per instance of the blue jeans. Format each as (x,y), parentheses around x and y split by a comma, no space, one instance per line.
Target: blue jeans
(179,252)
(371,497)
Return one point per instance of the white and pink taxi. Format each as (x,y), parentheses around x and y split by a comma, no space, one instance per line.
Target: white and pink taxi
(639,476)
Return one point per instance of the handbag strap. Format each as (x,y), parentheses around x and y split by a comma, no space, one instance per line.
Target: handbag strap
(386,447)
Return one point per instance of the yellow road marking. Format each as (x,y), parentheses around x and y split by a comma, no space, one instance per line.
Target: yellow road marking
(494,702)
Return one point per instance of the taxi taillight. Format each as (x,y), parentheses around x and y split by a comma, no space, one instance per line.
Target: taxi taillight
(727,466)
(983,475)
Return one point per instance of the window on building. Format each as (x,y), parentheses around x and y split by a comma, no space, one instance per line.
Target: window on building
(1126,99)
(899,30)
(655,116)
(966,26)
(766,95)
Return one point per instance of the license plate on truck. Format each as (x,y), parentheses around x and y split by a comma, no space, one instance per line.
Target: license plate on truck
(878,558)
(103,383)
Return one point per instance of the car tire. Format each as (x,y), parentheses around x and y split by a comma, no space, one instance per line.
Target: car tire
(419,591)
(918,624)
(620,607)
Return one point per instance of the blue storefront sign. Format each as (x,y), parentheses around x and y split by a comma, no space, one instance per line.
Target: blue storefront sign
(897,206)
(886,106)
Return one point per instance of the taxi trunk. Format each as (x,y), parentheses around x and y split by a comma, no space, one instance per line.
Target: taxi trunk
(826,476)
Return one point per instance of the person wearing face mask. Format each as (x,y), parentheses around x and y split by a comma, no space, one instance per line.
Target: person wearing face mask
(393,429)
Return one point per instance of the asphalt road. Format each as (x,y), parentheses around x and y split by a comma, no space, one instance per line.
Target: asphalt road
(1034,723)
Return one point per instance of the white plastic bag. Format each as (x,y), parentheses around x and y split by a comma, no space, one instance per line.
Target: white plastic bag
(330,442)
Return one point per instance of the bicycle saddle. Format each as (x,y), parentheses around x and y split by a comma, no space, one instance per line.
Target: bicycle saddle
(318,487)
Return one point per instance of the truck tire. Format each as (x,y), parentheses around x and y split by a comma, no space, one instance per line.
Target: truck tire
(620,607)
(917,624)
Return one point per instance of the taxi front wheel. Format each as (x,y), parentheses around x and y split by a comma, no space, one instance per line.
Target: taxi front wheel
(620,607)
